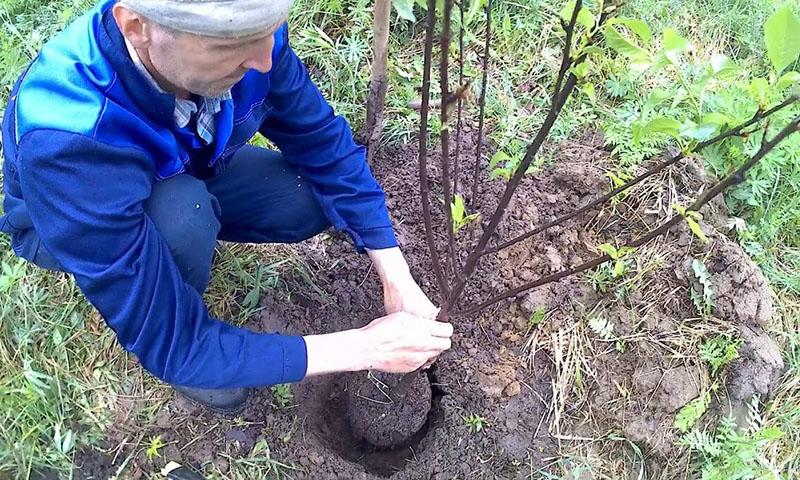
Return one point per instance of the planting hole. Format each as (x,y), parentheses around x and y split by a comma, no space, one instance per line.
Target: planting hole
(366,422)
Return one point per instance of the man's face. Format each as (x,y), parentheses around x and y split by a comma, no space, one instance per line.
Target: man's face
(208,66)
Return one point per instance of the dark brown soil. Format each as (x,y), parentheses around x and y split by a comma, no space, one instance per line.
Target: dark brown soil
(387,410)
(546,392)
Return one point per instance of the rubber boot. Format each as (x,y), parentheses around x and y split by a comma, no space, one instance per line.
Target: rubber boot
(226,401)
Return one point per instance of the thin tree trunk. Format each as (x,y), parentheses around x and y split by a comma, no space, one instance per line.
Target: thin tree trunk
(378,81)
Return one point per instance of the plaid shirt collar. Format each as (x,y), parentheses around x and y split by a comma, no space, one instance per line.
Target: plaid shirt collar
(185,108)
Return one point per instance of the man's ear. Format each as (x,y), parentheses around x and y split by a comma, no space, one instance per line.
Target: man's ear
(134,27)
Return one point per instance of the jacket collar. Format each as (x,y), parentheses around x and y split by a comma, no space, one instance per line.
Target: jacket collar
(157,105)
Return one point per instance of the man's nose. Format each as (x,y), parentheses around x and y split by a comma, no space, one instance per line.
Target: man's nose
(261,57)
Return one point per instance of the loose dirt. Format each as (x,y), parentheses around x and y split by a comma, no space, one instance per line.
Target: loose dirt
(386,410)
(607,367)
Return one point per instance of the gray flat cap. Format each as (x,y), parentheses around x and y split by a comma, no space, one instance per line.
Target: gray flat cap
(214,18)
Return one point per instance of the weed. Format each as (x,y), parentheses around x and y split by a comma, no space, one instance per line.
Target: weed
(154,446)
(602,327)
(537,317)
(703,301)
(259,463)
(474,422)
(460,219)
(620,257)
(731,452)
(690,413)
(693,220)
(601,278)
(720,351)
(282,395)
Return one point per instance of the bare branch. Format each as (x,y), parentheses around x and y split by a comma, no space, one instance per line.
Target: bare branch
(738,130)
(533,149)
(457,160)
(444,116)
(423,150)
(482,106)
(732,179)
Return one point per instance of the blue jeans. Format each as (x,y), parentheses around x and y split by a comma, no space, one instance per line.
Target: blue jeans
(258,199)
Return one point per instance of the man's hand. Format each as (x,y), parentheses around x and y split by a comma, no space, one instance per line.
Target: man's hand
(401,343)
(396,343)
(400,291)
(406,339)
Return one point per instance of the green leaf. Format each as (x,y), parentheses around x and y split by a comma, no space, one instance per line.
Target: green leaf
(626,47)
(457,209)
(499,157)
(692,411)
(660,61)
(769,433)
(721,350)
(593,50)
(782,36)
(670,126)
(656,97)
(537,317)
(695,228)
(699,132)
(580,70)
(619,268)
(67,442)
(602,327)
(625,251)
(759,87)
(640,28)
(788,79)
(715,118)
(723,67)
(474,6)
(674,44)
(694,214)
(589,91)
(405,9)
(251,299)
(501,173)
(586,18)
(58,338)
(609,250)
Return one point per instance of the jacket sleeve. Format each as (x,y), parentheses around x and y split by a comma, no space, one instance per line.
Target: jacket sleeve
(86,203)
(320,144)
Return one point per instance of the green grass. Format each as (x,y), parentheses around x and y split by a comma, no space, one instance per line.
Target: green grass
(60,366)
(60,369)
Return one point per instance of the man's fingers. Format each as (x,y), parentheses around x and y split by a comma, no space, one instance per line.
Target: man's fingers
(437,345)
(432,313)
(441,329)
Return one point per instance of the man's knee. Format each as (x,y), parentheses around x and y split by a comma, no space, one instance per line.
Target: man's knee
(186,216)
(265,199)
(307,219)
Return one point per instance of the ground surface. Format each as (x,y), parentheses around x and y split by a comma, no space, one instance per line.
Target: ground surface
(544,391)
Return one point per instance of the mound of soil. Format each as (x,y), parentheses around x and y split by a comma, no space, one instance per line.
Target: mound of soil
(608,356)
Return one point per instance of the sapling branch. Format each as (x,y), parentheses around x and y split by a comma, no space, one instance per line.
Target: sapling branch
(482,106)
(738,130)
(544,131)
(732,179)
(445,135)
(566,57)
(460,105)
(423,150)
